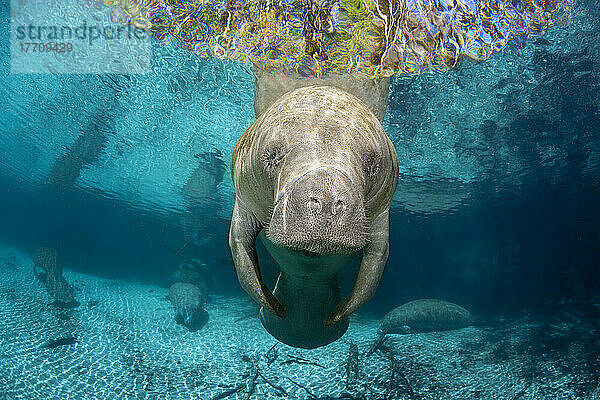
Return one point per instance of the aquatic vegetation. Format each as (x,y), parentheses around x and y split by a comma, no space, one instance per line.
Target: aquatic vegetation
(372,38)
(250,379)
(352,366)
(398,383)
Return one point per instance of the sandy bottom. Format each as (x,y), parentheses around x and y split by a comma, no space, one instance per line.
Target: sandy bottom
(128,346)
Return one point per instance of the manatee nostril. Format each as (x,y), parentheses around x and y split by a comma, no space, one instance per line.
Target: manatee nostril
(338,207)
(313,204)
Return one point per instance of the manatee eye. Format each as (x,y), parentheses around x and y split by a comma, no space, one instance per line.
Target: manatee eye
(272,157)
(372,163)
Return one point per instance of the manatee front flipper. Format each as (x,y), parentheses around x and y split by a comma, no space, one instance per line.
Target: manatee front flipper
(375,255)
(242,236)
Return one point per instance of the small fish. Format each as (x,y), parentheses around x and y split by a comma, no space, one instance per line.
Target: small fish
(63,341)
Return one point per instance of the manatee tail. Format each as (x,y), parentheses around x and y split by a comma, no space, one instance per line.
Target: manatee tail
(376,344)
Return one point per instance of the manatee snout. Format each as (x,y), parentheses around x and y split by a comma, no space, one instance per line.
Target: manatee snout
(320,212)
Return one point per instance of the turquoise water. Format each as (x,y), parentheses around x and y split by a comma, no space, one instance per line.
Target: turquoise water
(127,178)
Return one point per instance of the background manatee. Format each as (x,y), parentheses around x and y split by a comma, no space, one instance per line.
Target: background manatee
(187,300)
(195,272)
(419,316)
(49,271)
(425,315)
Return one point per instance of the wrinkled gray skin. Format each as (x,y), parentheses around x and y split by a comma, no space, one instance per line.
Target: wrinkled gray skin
(314,177)
(425,315)
(187,299)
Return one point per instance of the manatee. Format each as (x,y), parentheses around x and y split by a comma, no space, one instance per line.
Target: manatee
(314,177)
(49,271)
(200,189)
(192,271)
(84,151)
(187,299)
(420,316)
(425,315)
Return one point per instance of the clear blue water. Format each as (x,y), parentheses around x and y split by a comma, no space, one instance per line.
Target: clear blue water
(497,209)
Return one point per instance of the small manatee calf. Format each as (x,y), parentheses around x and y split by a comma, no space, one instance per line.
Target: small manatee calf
(420,316)
(187,300)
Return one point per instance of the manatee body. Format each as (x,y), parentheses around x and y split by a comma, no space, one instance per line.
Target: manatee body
(425,315)
(62,292)
(49,271)
(187,299)
(314,177)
